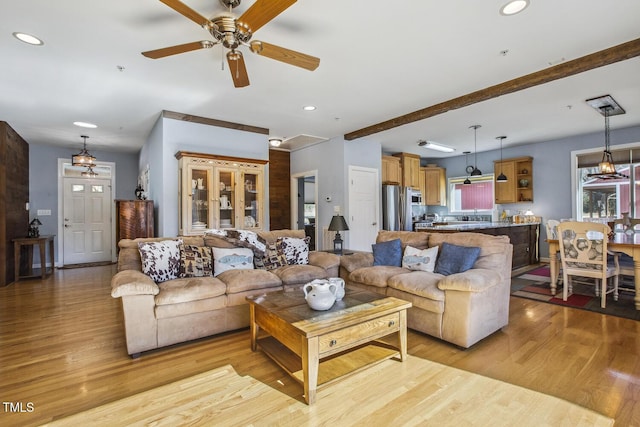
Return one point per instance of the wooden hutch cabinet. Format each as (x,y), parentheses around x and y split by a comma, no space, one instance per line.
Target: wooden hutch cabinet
(519,184)
(219,192)
(134,218)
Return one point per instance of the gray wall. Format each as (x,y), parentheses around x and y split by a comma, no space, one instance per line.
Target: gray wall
(43,181)
(551,171)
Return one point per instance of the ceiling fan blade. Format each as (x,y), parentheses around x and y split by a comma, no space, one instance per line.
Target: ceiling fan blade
(181,48)
(289,56)
(263,11)
(185,10)
(238,69)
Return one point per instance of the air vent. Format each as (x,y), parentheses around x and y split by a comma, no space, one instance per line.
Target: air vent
(301,141)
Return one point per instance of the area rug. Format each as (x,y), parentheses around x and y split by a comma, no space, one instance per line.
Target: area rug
(535,284)
(416,392)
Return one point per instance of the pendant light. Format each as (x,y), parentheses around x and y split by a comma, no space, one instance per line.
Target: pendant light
(89,173)
(467,181)
(83,158)
(502,177)
(607,106)
(476,171)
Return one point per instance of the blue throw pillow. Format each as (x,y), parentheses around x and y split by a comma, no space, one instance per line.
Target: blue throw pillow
(387,253)
(456,259)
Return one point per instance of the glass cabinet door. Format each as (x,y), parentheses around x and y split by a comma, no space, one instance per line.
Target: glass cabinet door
(227,198)
(251,200)
(199,202)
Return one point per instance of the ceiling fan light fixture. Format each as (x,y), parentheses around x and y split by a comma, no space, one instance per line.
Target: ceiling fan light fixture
(513,7)
(436,146)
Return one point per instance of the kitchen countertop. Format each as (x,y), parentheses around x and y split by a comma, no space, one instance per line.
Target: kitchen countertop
(473,226)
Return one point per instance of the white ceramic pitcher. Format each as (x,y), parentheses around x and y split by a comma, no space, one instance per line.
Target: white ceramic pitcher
(320,294)
(339,287)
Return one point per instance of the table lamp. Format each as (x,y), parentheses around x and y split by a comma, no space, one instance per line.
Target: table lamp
(338,224)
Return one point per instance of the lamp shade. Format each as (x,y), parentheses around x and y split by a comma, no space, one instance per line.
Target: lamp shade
(35,221)
(338,223)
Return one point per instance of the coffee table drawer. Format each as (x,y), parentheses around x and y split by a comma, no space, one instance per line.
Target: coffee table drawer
(360,333)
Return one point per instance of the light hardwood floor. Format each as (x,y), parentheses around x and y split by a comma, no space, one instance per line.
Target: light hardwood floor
(62,351)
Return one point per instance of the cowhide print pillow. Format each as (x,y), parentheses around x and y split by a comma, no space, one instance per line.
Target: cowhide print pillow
(160,260)
(295,250)
(231,258)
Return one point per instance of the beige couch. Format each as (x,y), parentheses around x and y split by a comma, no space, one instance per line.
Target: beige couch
(461,308)
(178,310)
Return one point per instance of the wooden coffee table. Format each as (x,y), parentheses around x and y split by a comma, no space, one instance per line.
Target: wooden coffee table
(318,347)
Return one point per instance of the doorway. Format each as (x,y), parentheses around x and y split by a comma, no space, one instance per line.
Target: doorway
(364,207)
(86,211)
(304,206)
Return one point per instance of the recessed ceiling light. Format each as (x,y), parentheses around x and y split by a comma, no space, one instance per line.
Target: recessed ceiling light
(309,107)
(85,125)
(28,38)
(514,7)
(275,142)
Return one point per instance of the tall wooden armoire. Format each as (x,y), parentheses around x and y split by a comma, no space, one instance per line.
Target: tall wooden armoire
(14,196)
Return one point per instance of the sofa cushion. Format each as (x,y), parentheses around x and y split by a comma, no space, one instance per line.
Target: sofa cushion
(456,259)
(189,289)
(421,283)
(231,259)
(190,307)
(295,250)
(420,259)
(387,253)
(299,274)
(430,305)
(160,260)
(195,261)
(416,239)
(376,276)
(245,280)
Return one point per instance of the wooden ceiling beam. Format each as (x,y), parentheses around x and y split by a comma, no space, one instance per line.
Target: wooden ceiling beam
(608,56)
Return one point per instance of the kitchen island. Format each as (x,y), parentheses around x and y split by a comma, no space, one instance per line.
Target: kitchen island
(524,237)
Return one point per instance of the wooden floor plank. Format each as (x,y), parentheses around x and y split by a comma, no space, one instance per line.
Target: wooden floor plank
(62,349)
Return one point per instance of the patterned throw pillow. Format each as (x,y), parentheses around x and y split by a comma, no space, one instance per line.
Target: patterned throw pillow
(231,258)
(420,259)
(295,250)
(160,260)
(195,261)
(273,257)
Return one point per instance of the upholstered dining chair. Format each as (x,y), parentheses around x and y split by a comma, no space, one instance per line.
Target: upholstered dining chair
(583,252)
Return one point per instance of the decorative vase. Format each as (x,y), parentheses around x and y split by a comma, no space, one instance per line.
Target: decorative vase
(339,287)
(320,294)
(524,183)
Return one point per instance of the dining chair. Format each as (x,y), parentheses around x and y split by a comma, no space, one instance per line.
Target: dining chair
(583,252)
(552,233)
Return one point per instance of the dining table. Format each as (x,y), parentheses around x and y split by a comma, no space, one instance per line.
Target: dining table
(627,243)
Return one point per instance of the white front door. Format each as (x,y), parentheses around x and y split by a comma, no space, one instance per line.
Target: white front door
(87,220)
(364,207)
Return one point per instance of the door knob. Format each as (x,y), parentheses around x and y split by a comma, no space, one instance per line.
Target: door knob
(67,226)
(374,223)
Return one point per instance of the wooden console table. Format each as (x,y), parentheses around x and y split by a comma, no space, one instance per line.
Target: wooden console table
(32,241)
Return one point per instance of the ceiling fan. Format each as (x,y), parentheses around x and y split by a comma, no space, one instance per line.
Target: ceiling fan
(233,32)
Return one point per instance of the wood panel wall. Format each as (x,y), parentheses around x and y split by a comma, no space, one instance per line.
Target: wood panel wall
(279,189)
(14,194)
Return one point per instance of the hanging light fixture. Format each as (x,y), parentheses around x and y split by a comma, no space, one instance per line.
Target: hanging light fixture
(502,177)
(468,168)
(83,158)
(607,106)
(476,171)
(89,173)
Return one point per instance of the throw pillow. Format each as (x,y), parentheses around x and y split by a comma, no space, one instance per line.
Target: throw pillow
(456,259)
(195,261)
(387,253)
(231,259)
(274,256)
(420,259)
(160,260)
(295,250)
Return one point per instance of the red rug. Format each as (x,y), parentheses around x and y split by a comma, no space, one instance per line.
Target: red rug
(534,284)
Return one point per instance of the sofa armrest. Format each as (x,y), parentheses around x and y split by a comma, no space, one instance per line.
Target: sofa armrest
(324,260)
(357,260)
(473,280)
(132,282)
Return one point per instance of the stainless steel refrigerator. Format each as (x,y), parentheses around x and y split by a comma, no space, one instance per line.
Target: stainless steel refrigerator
(396,208)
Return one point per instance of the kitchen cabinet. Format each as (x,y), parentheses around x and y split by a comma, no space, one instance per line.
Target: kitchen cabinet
(410,164)
(519,184)
(219,192)
(391,170)
(423,185)
(134,218)
(435,184)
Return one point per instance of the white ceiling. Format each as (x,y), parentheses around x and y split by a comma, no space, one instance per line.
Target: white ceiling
(379,60)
